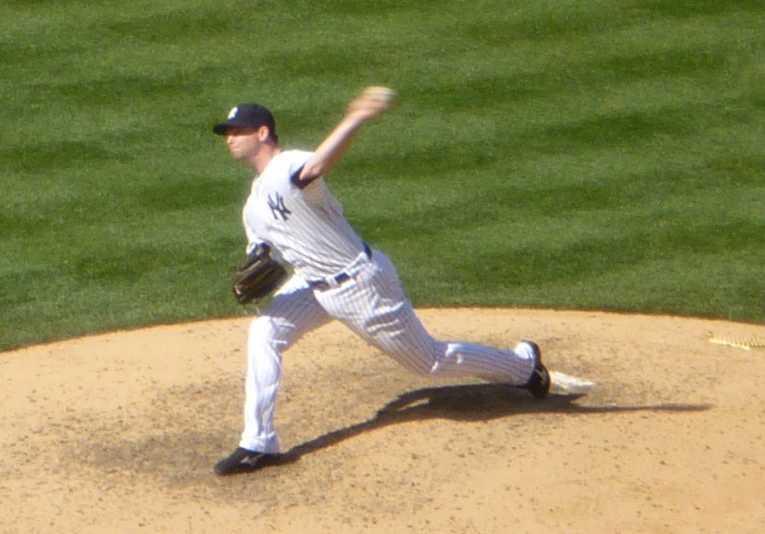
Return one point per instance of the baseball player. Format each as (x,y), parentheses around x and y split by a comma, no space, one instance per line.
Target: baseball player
(336,276)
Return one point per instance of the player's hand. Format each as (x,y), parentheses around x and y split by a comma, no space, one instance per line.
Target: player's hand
(370,103)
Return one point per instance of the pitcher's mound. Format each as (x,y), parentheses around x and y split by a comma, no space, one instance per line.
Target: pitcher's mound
(119,433)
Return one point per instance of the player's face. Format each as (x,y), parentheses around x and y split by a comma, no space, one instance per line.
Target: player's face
(243,143)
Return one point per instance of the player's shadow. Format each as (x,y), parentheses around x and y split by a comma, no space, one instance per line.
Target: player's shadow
(478,402)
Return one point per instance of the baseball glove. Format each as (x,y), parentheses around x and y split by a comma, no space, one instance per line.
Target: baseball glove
(258,275)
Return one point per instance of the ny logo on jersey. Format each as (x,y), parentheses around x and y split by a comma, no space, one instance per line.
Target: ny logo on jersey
(278,208)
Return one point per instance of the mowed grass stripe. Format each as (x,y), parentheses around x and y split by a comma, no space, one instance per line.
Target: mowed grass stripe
(559,153)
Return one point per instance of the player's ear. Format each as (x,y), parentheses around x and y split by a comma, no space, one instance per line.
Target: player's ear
(263,133)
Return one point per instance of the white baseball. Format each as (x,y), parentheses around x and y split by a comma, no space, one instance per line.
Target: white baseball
(382,94)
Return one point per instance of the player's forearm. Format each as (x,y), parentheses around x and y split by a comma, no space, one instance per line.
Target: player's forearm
(332,149)
(368,104)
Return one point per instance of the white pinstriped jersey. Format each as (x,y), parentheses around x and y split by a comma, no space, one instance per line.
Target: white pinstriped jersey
(305,226)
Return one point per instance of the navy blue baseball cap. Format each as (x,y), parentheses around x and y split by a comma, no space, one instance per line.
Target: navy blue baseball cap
(247,116)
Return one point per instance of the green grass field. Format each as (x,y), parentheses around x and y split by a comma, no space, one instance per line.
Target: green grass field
(586,154)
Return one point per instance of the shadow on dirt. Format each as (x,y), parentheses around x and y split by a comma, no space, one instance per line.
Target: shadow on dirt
(147,446)
(468,403)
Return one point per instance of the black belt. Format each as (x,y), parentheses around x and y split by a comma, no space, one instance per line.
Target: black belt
(339,279)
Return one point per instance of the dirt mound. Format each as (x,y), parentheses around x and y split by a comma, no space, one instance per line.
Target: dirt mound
(119,432)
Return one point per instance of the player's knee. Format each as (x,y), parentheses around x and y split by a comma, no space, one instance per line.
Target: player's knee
(418,359)
(265,332)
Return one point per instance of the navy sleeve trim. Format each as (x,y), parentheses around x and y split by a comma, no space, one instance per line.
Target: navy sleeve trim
(297,182)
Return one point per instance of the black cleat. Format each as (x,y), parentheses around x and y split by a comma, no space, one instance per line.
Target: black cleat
(539,383)
(241,461)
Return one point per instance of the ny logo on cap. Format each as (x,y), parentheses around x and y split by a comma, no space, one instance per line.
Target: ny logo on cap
(233,112)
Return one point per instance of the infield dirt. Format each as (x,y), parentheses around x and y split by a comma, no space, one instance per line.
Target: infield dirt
(119,432)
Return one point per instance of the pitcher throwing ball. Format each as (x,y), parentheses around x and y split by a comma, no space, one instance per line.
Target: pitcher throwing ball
(336,275)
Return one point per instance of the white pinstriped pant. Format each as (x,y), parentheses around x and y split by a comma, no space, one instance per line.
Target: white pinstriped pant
(373,305)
